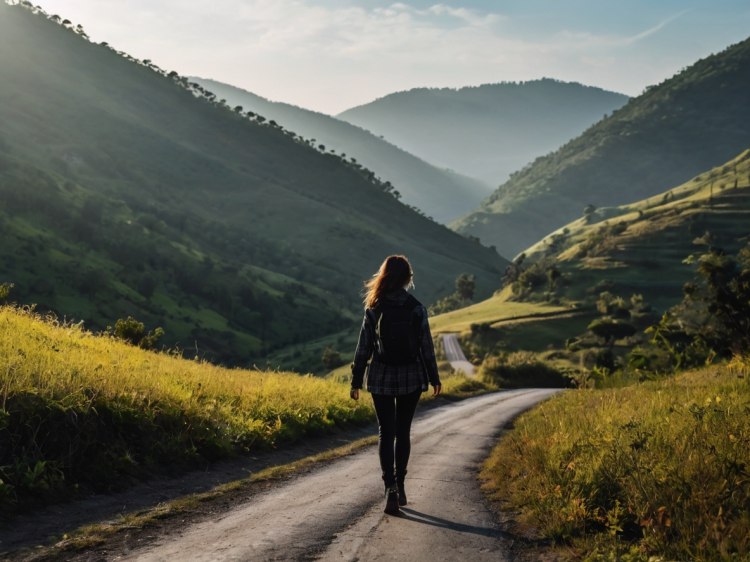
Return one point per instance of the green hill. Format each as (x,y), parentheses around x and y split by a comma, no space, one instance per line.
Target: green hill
(685,125)
(125,192)
(486,131)
(644,247)
(441,194)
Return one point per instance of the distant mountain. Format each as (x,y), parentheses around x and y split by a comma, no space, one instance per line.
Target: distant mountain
(689,123)
(643,247)
(123,191)
(487,131)
(441,194)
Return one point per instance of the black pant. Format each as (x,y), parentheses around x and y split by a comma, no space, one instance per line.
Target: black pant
(395,414)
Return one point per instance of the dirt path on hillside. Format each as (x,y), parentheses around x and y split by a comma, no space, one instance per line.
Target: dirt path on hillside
(335,513)
(455,355)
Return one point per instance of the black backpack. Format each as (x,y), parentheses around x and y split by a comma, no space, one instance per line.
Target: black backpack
(397,332)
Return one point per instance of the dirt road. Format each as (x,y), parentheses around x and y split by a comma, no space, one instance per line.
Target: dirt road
(336,512)
(455,355)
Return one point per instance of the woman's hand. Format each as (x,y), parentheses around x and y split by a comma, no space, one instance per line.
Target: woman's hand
(354,394)
(437,389)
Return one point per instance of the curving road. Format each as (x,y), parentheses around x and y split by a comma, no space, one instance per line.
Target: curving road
(455,355)
(336,512)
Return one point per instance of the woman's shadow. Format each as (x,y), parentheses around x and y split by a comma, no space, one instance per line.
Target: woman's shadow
(414,515)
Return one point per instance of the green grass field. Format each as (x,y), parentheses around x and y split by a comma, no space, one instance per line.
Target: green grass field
(90,412)
(641,248)
(81,412)
(490,311)
(656,469)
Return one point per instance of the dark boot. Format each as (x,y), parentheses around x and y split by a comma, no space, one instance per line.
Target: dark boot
(391,500)
(400,477)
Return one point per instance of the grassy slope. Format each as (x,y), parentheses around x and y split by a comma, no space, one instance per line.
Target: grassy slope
(80,412)
(441,194)
(494,310)
(685,125)
(642,247)
(90,411)
(658,468)
(124,194)
(486,131)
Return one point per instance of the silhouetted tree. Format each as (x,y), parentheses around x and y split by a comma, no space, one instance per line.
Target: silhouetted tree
(331,358)
(465,286)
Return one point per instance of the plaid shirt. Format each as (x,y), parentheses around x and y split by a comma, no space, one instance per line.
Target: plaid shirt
(394,379)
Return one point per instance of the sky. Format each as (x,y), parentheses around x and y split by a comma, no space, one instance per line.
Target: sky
(330,55)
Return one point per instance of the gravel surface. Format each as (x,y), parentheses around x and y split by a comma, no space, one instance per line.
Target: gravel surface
(336,512)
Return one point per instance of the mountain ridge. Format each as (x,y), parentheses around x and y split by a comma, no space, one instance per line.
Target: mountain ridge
(485,131)
(127,192)
(644,247)
(692,121)
(441,194)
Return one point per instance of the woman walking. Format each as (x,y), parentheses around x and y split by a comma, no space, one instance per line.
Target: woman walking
(395,338)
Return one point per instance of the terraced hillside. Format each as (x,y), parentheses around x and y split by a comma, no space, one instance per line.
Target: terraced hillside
(644,247)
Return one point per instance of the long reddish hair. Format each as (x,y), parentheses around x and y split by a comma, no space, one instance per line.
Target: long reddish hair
(395,273)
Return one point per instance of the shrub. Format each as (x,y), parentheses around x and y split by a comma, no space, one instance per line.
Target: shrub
(134,332)
(521,369)
(331,358)
(5,289)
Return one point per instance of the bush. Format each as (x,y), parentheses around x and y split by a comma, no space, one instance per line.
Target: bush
(519,370)
(134,332)
(331,358)
(5,289)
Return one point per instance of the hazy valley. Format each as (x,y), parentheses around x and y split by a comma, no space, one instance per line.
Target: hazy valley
(181,275)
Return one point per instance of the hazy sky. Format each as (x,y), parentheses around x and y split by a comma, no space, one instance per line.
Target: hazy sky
(330,55)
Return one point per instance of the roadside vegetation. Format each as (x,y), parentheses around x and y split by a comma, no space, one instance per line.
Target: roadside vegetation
(81,412)
(659,468)
(660,465)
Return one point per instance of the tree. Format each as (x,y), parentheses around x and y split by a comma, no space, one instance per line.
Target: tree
(134,332)
(553,275)
(514,270)
(331,358)
(465,286)
(713,318)
(611,330)
(5,289)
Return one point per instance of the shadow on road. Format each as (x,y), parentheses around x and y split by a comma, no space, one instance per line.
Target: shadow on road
(413,515)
